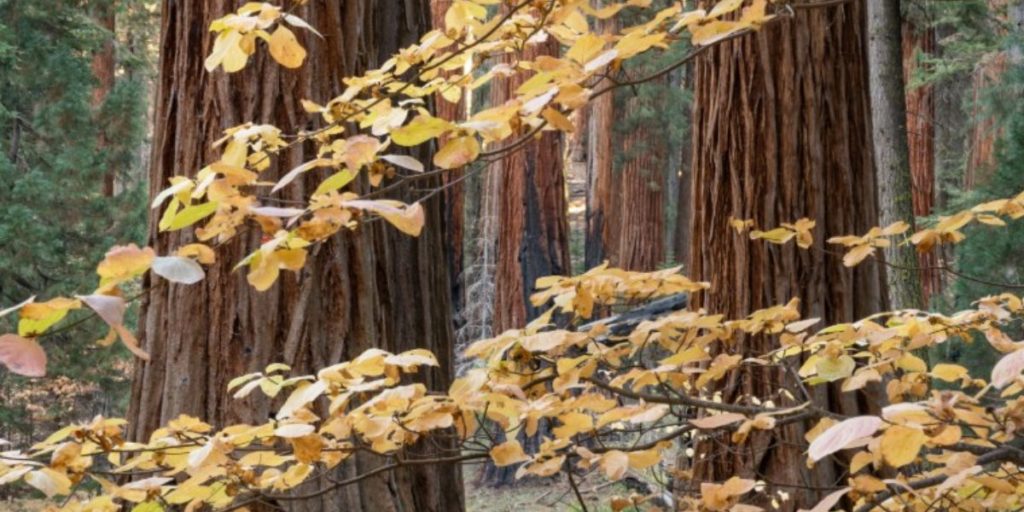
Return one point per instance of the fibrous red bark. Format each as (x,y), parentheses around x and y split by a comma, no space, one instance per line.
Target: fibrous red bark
(782,131)
(921,141)
(374,287)
(533,230)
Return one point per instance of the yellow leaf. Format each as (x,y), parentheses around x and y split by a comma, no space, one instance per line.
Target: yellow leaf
(190,215)
(857,255)
(421,129)
(457,152)
(124,262)
(508,453)
(36,317)
(408,219)
(724,7)
(285,49)
(49,481)
(585,48)
(949,372)
(201,252)
(900,445)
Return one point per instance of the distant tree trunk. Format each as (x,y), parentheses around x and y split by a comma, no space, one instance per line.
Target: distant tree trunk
(533,232)
(454,194)
(103,66)
(921,143)
(642,183)
(601,240)
(374,287)
(781,122)
(684,186)
(889,138)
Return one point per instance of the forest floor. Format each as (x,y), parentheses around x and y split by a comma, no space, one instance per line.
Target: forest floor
(541,495)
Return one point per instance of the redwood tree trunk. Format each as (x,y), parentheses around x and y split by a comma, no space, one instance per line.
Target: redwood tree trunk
(533,230)
(782,131)
(454,194)
(921,142)
(642,183)
(601,239)
(103,66)
(374,287)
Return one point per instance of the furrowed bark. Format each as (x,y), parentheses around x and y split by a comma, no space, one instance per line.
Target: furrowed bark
(454,194)
(782,131)
(533,230)
(373,287)
(921,142)
(641,189)
(889,138)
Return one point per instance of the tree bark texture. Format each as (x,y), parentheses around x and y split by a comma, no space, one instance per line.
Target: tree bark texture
(920,103)
(103,67)
(602,215)
(454,194)
(782,131)
(684,186)
(641,184)
(889,140)
(533,230)
(374,287)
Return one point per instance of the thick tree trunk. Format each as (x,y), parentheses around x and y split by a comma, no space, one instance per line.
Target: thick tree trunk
(642,183)
(921,143)
(374,287)
(782,131)
(533,231)
(889,138)
(103,66)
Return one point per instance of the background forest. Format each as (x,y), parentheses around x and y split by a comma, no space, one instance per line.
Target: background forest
(88,110)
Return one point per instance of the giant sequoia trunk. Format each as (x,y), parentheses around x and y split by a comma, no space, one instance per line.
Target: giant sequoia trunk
(782,131)
(602,214)
(533,230)
(371,288)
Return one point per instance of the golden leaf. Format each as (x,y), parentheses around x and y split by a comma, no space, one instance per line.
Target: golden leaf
(285,48)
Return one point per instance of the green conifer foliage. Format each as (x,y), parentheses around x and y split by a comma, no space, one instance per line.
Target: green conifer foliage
(56,148)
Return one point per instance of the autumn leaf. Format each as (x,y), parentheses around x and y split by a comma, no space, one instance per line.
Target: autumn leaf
(285,48)
(508,453)
(23,356)
(178,269)
(901,444)
(409,219)
(840,435)
(421,129)
(111,309)
(457,152)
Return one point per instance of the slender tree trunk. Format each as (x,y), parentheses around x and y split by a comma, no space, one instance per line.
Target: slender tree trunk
(642,183)
(889,138)
(601,241)
(374,287)
(533,231)
(684,184)
(921,144)
(454,193)
(103,66)
(782,131)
